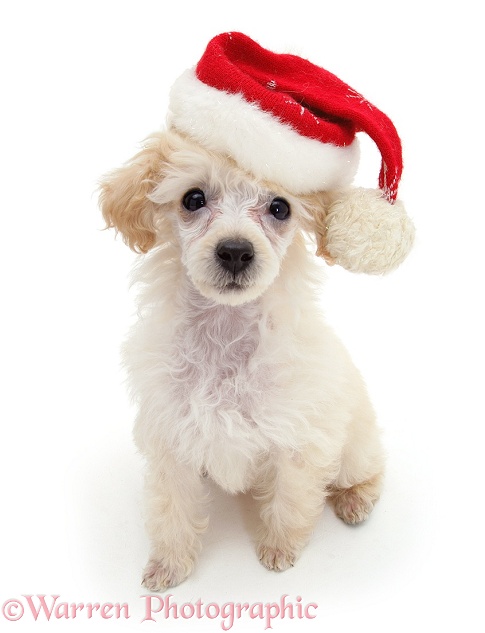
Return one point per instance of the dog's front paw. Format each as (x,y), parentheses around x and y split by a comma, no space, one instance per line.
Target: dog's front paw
(160,575)
(275,558)
(352,506)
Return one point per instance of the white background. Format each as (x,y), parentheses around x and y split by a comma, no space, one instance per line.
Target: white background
(82,84)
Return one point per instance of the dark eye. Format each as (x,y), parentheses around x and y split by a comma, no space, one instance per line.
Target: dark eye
(193,200)
(280,208)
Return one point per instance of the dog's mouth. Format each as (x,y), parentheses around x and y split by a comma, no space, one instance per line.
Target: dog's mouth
(232,286)
(232,290)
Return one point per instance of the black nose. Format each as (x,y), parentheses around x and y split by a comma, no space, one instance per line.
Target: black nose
(235,255)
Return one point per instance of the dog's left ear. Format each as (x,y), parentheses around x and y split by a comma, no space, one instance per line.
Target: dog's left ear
(124,195)
(360,230)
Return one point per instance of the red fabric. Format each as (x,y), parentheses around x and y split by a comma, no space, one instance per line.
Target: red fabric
(313,101)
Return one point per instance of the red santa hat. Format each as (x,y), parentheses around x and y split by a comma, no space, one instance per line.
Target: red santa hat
(286,120)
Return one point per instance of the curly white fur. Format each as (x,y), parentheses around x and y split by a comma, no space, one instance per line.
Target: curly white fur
(244,384)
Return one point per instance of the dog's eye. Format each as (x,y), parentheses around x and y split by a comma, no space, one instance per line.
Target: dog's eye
(280,208)
(193,200)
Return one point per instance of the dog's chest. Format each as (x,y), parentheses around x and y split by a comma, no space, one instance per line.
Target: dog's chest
(217,365)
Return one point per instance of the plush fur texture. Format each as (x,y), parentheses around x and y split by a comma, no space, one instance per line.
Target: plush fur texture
(365,233)
(235,374)
(259,142)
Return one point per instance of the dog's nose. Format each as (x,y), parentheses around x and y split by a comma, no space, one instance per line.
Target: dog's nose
(235,255)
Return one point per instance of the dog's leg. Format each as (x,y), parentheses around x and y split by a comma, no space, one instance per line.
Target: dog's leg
(292,493)
(359,483)
(175,517)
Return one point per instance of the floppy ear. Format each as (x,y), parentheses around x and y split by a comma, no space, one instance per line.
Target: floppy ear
(360,230)
(124,195)
(315,220)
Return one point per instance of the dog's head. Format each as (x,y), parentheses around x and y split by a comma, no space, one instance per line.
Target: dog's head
(244,119)
(233,231)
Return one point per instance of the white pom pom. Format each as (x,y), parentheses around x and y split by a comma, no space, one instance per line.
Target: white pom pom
(365,233)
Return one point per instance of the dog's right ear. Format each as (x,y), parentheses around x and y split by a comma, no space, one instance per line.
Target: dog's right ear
(124,195)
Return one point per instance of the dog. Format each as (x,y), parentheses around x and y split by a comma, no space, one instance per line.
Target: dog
(236,376)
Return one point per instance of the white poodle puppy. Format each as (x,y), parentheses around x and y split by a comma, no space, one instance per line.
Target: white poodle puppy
(234,371)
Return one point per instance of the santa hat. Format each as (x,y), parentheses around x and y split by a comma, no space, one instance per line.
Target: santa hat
(286,120)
